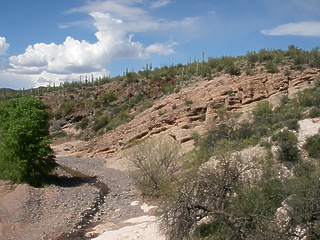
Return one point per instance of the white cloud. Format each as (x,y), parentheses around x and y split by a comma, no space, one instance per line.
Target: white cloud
(311,28)
(3,46)
(115,22)
(161,48)
(73,56)
(123,9)
(19,81)
(159,3)
(134,15)
(15,81)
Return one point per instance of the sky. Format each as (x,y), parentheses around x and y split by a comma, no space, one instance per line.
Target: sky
(52,41)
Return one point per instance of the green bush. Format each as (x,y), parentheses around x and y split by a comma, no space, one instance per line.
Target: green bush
(230,66)
(262,113)
(100,122)
(271,67)
(108,98)
(83,124)
(312,146)
(67,108)
(252,57)
(288,150)
(292,124)
(25,153)
(132,77)
(305,98)
(314,112)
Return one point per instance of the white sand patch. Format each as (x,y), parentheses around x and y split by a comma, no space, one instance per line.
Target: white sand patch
(146,208)
(143,228)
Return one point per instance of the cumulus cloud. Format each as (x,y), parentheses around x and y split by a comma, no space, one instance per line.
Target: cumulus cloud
(115,21)
(311,28)
(73,56)
(161,48)
(3,46)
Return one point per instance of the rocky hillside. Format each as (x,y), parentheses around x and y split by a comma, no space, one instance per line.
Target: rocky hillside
(188,108)
(93,122)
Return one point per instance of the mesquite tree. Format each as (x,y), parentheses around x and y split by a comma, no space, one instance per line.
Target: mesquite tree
(25,153)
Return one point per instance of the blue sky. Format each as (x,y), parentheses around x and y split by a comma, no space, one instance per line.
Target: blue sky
(46,42)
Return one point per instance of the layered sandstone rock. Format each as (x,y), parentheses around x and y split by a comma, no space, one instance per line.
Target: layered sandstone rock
(189,110)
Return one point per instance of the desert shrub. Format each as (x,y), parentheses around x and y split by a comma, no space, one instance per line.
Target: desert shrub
(132,77)
(57,114)
(100,122)
(167,88)
(25,153)
(314,57)
(230,66)
(83,124)
(218,202)
(245,131)
(232,198)
(154,165)
(292,124)
(145,104)
(287,72)
(188,102)
(67,108)
(285,115)
(314,112)
(117,119)
(266,55)
(271,67)
(226,135)
(108,98)
(262,113)
(304,211)
(214,64)
(312,146)
(305,98)
(96,103)
(303,169)
(288,150)
(252,57)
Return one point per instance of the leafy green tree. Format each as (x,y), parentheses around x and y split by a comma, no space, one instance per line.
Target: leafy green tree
(25,153)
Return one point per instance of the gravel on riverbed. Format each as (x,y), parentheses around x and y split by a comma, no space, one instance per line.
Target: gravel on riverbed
(69,207)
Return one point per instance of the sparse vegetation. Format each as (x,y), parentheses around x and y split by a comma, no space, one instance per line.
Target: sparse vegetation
(154,166)
(217,190)
(221,193)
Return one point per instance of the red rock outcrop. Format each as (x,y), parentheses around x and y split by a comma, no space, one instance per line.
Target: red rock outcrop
(182,113)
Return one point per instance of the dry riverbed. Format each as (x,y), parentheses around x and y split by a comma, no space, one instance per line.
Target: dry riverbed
(99,203)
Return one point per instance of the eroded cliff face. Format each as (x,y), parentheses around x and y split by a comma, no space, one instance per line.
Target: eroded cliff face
(194,106)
